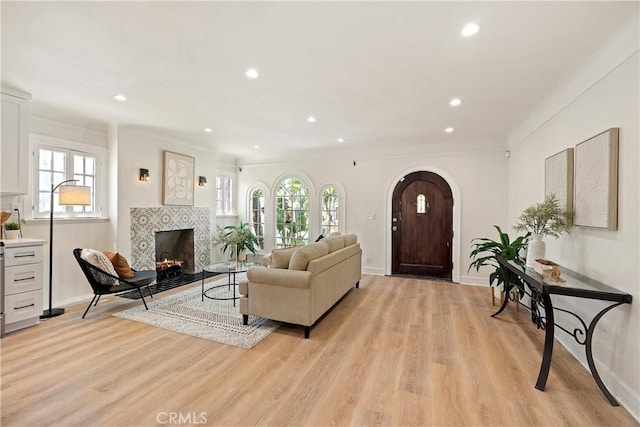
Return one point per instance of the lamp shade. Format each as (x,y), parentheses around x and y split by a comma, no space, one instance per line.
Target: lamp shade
(75,195)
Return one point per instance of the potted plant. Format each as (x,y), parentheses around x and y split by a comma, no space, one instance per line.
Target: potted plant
(11,230)
(236,239)
(542,219)
(485,252)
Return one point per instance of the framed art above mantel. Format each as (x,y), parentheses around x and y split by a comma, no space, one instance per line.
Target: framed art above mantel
(178,174)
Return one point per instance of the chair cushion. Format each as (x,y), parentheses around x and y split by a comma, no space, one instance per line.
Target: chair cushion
(280,257)
(101,261)
(143,277)
(120,264)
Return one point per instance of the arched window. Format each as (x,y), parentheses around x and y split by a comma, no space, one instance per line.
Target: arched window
(330,210)
(292,213)
(257,215)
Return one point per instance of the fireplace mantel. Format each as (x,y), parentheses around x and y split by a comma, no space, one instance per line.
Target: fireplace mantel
(146,221)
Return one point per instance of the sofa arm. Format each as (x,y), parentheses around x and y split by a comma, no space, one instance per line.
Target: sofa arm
(280,277)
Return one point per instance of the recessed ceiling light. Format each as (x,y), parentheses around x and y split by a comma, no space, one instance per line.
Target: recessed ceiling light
(448,130)
(208,130)
(340,140)
(252,73)
(470,29)
(455,102)
(311,119)
(257,147)
(120,97)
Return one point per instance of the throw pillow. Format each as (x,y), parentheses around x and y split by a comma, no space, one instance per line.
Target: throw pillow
(280,257)
(101,261)
(120,264)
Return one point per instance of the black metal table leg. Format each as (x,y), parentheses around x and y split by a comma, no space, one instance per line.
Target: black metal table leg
(203,285)
(592,365)
(548,342)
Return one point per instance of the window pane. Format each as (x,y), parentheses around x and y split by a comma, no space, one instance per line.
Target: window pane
(78,164)
(59,160)
(89,165)
(44,202)
(330,210)
(45,181)
(45,159)
(58,177)
(420,204)
(292,203)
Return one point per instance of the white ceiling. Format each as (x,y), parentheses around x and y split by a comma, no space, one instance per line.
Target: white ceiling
(379,74)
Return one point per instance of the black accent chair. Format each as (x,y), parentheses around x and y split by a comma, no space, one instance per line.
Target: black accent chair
(102,282)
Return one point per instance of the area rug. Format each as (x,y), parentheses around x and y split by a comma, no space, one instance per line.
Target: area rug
(166,283)
(215,320)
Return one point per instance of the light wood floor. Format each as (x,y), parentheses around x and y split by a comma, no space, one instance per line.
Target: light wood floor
(396,352)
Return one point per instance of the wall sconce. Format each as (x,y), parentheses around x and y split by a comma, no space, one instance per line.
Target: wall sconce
(202,181)
(144,175)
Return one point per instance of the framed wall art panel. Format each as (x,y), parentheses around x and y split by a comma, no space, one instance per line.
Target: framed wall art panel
(596,181)
(177,179)
(558,179)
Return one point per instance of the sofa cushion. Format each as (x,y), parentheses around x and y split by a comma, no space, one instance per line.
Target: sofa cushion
(350,239)
(280,257)
(302,256)
(335,242)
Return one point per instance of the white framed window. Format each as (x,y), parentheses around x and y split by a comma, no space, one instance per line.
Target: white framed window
(292,213)
(53,163)
(258,219)
(224,195)
(330,210)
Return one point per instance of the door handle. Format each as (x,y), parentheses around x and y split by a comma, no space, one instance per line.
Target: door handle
(394,228)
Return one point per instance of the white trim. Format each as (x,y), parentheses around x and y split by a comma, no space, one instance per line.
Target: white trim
(457,205)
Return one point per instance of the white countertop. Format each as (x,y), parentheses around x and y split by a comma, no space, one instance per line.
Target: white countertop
(17,243)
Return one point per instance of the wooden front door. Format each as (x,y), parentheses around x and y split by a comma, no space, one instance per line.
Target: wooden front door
(422,226)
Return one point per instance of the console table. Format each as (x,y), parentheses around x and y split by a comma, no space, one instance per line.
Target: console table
(542,311)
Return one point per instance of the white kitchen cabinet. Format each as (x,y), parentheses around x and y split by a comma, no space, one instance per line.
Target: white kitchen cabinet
(23,277)
(14,145)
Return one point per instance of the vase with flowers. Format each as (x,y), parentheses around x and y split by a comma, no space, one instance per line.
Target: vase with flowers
(542,219)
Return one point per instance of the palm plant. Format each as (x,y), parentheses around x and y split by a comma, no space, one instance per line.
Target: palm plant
(485,252)
(239,237)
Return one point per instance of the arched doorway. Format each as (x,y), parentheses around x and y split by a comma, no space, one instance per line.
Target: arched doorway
(422,226)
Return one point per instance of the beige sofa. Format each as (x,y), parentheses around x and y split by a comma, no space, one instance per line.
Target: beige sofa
(302,283)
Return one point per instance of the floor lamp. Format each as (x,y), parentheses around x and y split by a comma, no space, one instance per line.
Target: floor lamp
(69,195)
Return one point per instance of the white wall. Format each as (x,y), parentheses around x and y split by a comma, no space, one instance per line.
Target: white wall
(480,177)
(143,148)
(128,150)
(69,283)
(605,94)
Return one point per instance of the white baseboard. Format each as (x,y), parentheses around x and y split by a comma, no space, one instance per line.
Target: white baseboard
(373,270)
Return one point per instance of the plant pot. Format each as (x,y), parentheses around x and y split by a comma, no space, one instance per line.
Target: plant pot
(535,250)
(11,234)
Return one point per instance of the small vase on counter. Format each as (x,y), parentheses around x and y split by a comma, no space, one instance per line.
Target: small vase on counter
(535,249)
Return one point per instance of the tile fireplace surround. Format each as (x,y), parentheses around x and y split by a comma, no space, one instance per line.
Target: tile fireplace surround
(146,221)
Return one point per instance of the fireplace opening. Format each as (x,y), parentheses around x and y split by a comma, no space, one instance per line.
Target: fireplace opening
(174,252)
